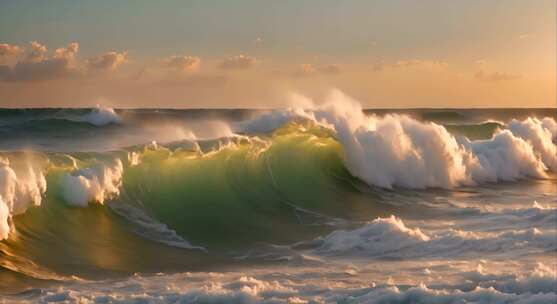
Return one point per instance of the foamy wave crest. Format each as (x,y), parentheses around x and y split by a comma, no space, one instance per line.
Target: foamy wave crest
(390,237)
(20,186)
(381,235)
(396,150)
(540,134)
(94,184)
(101,116)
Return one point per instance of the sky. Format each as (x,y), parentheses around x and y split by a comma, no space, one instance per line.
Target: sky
(254,54)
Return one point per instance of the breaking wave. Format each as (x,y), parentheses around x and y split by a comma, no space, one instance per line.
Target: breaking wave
(284,177)
(389,151)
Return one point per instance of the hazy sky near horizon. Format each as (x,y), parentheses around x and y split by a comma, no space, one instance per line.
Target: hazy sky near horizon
(208,53)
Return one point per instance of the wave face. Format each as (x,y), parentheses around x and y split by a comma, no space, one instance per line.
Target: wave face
(327,203)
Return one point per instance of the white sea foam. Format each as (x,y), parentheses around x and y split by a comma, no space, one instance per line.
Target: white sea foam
(20,187)
(94,184)
(390,237)
(396,150)
(293,286)
(381,235)
(540,135)
(423,294)
(101,116)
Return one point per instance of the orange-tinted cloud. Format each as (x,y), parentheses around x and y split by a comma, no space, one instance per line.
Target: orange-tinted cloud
(9,50)
(183,63)
(37,66)
(239,62)
(412,63)
(38,52)
(107,61)
(495,76)
(68,52)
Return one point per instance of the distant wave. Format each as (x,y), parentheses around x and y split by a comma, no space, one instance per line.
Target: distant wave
(100,116)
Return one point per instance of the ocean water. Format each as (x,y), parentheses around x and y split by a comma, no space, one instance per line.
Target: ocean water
(328,204)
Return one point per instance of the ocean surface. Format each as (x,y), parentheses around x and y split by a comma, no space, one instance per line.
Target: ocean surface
(332,204)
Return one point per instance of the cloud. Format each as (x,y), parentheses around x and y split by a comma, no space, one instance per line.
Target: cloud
(62,63)
(412,64)
(416,63)
(9,50)
(495,76)
(107,61)
(183,63)
(38,52)
(239,62)
(68,52)
(37,66)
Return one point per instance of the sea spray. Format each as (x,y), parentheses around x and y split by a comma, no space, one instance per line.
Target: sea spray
(101,116)
(94,184)
(396,150)
(280,213)
(18,190)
